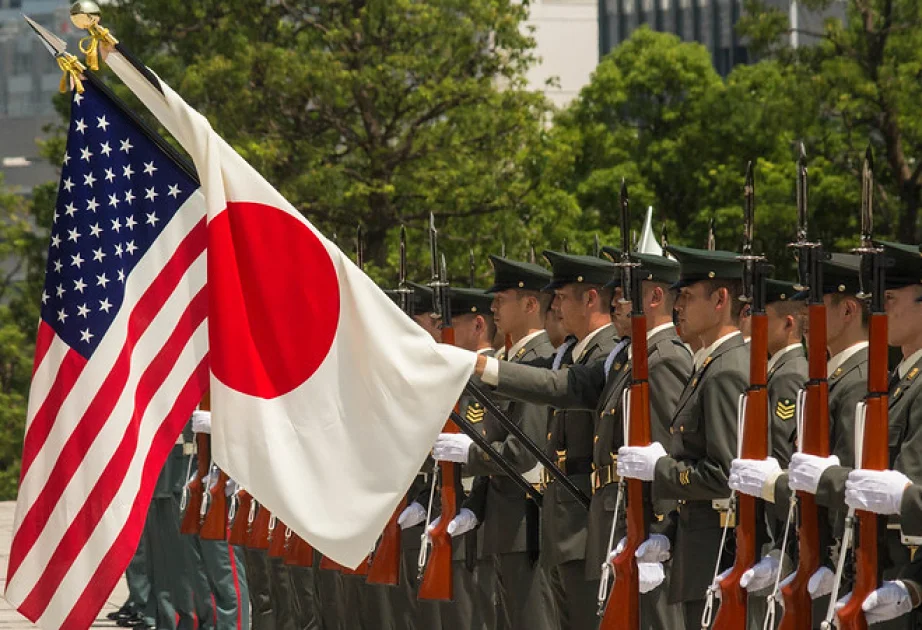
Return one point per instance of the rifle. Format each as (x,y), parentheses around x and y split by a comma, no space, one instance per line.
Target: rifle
(814,437)
(194,491)
(214,521)
(258,532)
(385,564)
(875,448)
(299,552)
(437,580)
(750,530)
(276,538)
(623,609)
(240,522)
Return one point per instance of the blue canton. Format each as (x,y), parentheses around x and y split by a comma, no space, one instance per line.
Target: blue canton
(118,190)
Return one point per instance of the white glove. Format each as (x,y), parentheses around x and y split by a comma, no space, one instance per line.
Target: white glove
(820,583)
(805,471)
(720,578)
(639,462)
(749,475)
(888,602)
(656,548)
(761,575)
(201,421)
(464,522)
(878,491)
(651,575)
(412,515)
(452,447)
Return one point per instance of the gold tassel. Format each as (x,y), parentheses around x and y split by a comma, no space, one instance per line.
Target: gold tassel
(72,69)
(89,45)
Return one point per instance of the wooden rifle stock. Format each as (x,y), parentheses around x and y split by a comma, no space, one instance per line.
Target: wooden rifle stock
(876,452)
(299,552)
(238,529)
(798,605)
(385,565)
(258,533)
(622,612)
(214,525)
(277,540)
(749,533)
(192,518)
(437,582)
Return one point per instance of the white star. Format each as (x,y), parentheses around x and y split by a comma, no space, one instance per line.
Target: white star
(98,255)
(82,311)
(92,204)
(55,241)
(130,222)
(118,250)
(109,175)
(70,209)
(102,281)
(73,235)
(121,275)
(149,168)
(58,265)
(44,297)
(78,97)
(152,219)
(126,171)
(104,305)
(60,290)
(68,184)
(150,194)
(62,315)
(130,247)
(101,123)
(113,200)
(129,197)
(95,230)
(81,126)
(88,179)
(76,261)
(66,158)
(174,191)
(105,149)
(116,225)
(126,145)
(55,217)
(79,285)
(85,335)
(85,154)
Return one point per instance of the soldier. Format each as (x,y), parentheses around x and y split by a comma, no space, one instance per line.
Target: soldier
(507,521)
(703,429)
(600,386)
(847,335)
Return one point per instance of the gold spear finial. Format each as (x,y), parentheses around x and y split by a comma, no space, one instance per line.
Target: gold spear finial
(85,16)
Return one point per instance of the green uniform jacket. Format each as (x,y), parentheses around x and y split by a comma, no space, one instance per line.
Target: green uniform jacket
(500,505)
(704,442)
(787,377)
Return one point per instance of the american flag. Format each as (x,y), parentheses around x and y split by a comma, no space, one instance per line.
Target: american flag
(120,362)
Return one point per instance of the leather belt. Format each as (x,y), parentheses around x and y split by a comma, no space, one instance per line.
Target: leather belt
(603,476)
(721,506)
(569,467)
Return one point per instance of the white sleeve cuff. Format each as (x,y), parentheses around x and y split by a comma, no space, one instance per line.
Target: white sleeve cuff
(491,372)
(768,488)
(201,421)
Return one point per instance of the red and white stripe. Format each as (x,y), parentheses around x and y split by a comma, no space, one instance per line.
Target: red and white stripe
(99,431)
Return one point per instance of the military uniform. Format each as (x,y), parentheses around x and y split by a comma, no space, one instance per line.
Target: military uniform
(600,386)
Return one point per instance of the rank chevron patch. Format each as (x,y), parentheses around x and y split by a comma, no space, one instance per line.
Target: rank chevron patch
(474,413)
(785,408)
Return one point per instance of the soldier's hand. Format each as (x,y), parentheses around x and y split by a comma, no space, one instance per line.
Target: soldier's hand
(452,447)
(805,471)
(639,462)
(464,522)
(651,575)
(715,585)
(656,548)
(761,575)
(749,476)
(890,601)
(412,515)
(821,583)
(878,491)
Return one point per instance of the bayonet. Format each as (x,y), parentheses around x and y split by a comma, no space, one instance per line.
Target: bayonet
(434,267)
(403,289)
(712,238)
(473,268)
(502,249)
(866,248)
(532,255)
(360,247)
(565,246)
(802,194)
(626,267)
(664,238)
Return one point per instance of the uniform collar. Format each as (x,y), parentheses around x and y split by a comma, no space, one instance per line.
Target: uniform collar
(711,349)
(775,358)
(907,363)
(650,334)
(837,361)
(521,344)
(583,343)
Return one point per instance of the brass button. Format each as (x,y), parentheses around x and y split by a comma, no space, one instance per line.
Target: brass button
(548,436)
(671,429)
(682,429)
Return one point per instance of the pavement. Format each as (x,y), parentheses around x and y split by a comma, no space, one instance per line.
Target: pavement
(12,620)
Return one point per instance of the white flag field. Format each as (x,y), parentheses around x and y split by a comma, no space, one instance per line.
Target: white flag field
(326,398)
